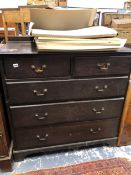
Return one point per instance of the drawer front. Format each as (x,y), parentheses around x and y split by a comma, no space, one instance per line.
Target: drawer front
(37,67)
(47,91)
(96,66)
(64,134)
(45,114)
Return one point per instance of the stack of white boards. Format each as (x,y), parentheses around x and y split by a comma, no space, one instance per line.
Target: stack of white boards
(96,38)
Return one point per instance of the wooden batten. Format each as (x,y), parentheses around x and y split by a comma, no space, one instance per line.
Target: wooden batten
(125,126)
(121,23)
(63,3)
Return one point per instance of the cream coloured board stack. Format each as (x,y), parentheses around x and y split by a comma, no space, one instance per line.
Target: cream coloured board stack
(43,2)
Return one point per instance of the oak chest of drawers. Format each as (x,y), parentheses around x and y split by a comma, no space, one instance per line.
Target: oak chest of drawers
(57,100)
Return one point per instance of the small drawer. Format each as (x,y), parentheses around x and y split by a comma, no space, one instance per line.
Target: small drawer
(101,66)
(24,93)
(37,67)
(36,115)
(64,134)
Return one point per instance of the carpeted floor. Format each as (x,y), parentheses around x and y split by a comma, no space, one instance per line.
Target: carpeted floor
(68,157)
(116,166)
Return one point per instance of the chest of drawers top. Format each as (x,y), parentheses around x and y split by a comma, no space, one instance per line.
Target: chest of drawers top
(22,61)
(26,45)
(62,65)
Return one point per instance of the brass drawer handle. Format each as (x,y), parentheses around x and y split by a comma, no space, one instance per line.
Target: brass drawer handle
(98,112)
(38,69)
(103,66)
(3,156)
(98,89)
(42,138)
(95,131)
(41,118)
(1,134)
(40,94)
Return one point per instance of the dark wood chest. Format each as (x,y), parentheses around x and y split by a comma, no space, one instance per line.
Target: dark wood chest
(57,100)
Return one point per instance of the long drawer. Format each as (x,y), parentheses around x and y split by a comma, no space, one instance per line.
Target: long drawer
(36,115)
(30,92)
(101,66)
(37,67)
(64,134)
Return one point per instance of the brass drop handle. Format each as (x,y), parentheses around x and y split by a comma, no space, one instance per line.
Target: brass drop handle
(103,66)
(40,94)
(98,89)
(38,69)
(1,134)
(42,138)
(95,131)
(98,112)
(41,118)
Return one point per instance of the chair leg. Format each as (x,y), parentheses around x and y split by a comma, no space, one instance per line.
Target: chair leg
(16,29)
(5,29)
(23,29)
(6,32)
